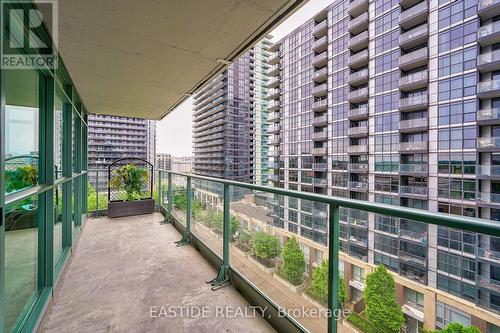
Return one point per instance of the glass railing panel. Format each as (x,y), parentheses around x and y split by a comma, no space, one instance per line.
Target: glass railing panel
(179,201)
(58,225)
(97,192)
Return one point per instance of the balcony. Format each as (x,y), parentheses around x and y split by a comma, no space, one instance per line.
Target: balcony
(414,169)
(359,59)
(320,45)
(358,42)
(319,151)
(413,147)
(320,136)
(358,113)
(320,105)
(488,116)
(358,24)
(488,171)
(273,82)
(420,191)
(489,34)
(489,254)
(274,142)
(274,129)
(273,70)
(488,89)
(488,61)
(274,58)
(414,59)
(488,8)
(273,105)
(273,93)
(357,132)
(359,77)
(414,15)
(414,37)
(320,75)
(320,60)
(413,103)
(320,121)
(413,81)
(358,149)
(319,167)
(358,167)
(488,144)
(319,182)
(358,96)
(413,125)
(357,7)
(489,198)
(272,165)
(273,117)
(320,29)
(320,90)
(358,186)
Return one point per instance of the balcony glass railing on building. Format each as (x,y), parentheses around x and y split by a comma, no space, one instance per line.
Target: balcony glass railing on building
(488,143)
(488,34)
(358,131)
(358,149)
(359,77)
(358,24)
(320,121)
(320,75)
(320,136)
(358,113)
(357,167)
(320,105)
(358,59)
(320,44)
(413,59)
(413,125)
(319,151)
(488,61)
(488,170)
(320,60)
(414,15)
(414,37)
(358,42)
(414,190)
(490,198)
(319,167)
(274,116)
(358,95)
(417,146)
(357,7)
(488,8)
(414,168)
(320,28)
(413,103)
(320,90)
(413,81)
(489,89)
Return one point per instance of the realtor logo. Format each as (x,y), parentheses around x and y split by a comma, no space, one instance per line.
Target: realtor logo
(25,43)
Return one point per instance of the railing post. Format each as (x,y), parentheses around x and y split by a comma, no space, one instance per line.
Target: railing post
(333,267)
(168,216)
(222,277)
(159,189)
(185,240)
(97,193)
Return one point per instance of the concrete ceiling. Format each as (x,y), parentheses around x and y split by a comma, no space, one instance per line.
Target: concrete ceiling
(142,58)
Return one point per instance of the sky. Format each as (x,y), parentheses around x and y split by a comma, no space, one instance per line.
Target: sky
(174,132)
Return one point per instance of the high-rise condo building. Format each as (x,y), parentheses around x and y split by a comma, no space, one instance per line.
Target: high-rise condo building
(395,101)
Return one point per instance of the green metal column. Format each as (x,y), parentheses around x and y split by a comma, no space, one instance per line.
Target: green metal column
(67,169)
(185,240)
(168,216)
(333,267)
(97,193)
(159,189)
(2,195)
(222,277)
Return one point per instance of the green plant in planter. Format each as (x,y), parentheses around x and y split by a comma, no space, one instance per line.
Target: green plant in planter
(218,223)
(319,285)
(294,264)
(130,178)
(456,328)
(22,177)
(266,246)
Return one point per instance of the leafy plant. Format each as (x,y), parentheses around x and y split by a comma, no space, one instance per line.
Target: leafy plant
(244,237)
(22,177)
(294,264)
(266,246)
(319,285)
(361,323)
(380,298)
(457,328)
(132,179)
(217,223)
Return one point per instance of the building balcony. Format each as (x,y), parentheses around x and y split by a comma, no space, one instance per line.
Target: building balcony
(488,144)
(358,96)
(358,167)
(414,59)
(272,165)
(273,129)
(488,171)
(320,136)
(320,90)
(273,82)
(320,121)
(488,116)
(273,70)
(414,103)
(320,167)
(420,191)
(359,59)
(414,15)
(320,29)
(274,142)
(359,77)
(413,125)
(319,151)
(358,149)
(489,255)
(320,45)
(273,94)
(358,24)
(414,37)
(273,105)
(320,182)
(414,81)
(489,34)
(414,169)
(357,7)
(488,89)
(358,186)
(488,61)
(413,147)
(358,113)
(274,58)
(488,8)
(413,259)
(320,60)
(273,117)
(320,105)
(320,75)
(357,132)
(358,42)
(489,198)
(413,236)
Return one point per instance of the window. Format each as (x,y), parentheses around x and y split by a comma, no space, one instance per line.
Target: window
(457,36)
(414,299)
(456,113)
(457,138)
(457,87)
(446,314)
(358,274)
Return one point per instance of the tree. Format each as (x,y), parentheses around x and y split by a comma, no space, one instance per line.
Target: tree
(22,177)
(294,264)
(319,285)
(266,246)
(380,298)
(457,328)
(218,223)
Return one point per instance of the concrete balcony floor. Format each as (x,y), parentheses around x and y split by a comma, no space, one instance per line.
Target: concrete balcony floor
(122,267)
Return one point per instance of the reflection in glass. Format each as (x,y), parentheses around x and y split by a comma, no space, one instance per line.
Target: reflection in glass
(58,229)
(58,135)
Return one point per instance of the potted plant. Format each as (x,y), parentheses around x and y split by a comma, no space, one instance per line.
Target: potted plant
(266,248)
(131,180)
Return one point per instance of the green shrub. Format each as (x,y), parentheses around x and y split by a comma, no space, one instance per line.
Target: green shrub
(266,246)
(131,179)
(218,223)
(294,264)
(319,285)
(361,323)
(22,177)
(457,328)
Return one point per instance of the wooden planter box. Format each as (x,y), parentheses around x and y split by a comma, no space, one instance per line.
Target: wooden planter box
(297,289)
(129,208)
